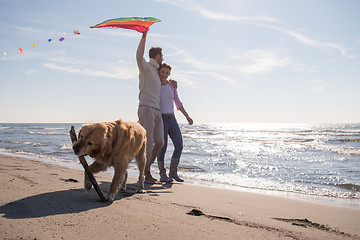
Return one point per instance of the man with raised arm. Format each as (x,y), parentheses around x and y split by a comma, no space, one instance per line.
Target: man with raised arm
(149,103)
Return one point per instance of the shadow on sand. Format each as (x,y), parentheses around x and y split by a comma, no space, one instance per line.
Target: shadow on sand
(68,201)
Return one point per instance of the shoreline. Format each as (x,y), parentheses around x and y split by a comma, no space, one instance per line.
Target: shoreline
(43,201)
(332,201)
(340,202)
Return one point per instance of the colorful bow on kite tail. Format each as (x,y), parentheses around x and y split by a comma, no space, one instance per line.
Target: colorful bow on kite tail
(139,24)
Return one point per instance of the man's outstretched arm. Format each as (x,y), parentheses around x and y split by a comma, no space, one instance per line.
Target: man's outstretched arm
(140,51)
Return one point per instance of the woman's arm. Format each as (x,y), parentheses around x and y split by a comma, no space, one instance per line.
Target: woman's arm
(188,118)
(180,106)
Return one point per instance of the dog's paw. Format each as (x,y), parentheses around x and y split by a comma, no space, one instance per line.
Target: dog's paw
(109,198)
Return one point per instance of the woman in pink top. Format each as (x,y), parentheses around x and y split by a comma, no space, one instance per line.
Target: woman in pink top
(168,95)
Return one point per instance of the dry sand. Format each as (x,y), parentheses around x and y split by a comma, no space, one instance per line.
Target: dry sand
(42,201)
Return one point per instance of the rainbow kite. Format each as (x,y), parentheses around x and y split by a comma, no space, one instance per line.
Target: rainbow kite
(135,23)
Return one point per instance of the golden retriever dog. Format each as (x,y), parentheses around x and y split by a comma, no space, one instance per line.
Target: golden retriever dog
(113,144)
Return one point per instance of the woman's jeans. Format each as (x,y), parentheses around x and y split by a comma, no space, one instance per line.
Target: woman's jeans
(171,128)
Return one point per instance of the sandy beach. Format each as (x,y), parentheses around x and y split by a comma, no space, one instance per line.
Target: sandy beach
(43,201)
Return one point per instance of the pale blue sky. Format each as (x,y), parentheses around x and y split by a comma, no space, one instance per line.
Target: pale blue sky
(234,60)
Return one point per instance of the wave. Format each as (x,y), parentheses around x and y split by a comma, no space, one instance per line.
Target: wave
(245,182)
(67,147)
(191,169)
(354,131)
(55,129)
(349,186)
(301,130)
(71,163)
(32,155)
(346,140)
(47,133)
(28,143)
(246,139)
(328,132)
(342,150)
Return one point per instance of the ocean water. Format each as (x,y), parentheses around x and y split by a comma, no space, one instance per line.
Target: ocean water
(319,162)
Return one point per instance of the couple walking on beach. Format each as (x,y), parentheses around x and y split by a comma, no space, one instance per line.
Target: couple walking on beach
(156,112)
